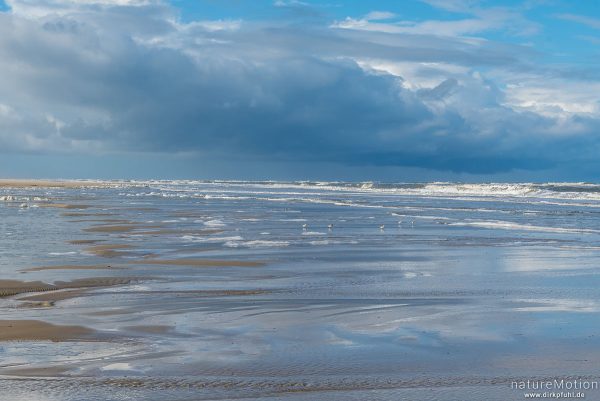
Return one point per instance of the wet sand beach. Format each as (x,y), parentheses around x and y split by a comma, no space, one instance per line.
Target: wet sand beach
(216,290)
(32,330)
(22,183)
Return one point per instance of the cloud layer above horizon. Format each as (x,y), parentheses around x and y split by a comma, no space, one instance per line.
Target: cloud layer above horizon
(466,89)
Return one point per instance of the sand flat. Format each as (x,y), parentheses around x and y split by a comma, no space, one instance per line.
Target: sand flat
(36,330)
(104,221)
(46,371)
(109,250)
(404,307)
(83,214)
(120,228)
(64,205)
(54,296)
(138,209)
(13,287)
(150,329)
(74,267)
(191,250)
(10,288)
(201,293)
(105,247)
(178,232)
(94,282)
(28,183)
(114,312)
(111,229)
(85,241)
(199,262)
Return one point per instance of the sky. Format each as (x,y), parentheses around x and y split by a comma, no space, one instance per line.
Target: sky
(412,90)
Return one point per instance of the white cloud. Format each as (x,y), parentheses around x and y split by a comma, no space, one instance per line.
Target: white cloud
(555,97)
(218,25)
(481,21)
(416,76)
(581,19)
(289,3)
(42,8)
(379,15)
(460,6)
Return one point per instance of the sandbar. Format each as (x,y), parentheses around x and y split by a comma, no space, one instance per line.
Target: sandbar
(85,241)
(198,262)
(73,267)
(10,288)
(64,206)
(119,228)
(36,330)
(25,183)
(109,250)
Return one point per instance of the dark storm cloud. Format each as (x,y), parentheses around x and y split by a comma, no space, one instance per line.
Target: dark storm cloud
(105,76)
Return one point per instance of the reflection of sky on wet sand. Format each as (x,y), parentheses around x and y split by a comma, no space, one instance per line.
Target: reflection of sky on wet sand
(339,309)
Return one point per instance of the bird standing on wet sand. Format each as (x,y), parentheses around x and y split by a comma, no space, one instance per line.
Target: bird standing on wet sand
(330,227)
(382,227)
(304,226)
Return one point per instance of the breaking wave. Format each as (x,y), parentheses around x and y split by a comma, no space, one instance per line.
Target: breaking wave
(243,190)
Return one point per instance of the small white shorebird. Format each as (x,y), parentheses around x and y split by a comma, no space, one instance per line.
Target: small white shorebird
(382,227)
(304,226)
(330,227)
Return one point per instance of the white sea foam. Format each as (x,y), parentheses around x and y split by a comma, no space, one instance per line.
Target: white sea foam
(117,366)
(196,238)
(314,191)
(410,216)
(507,225)
(257,244)
(15,198)
(309,233)
(332,242)
(322,242)
(214,223)
(559,305)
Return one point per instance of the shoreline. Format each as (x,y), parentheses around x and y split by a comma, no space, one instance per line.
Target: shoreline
(42,183)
